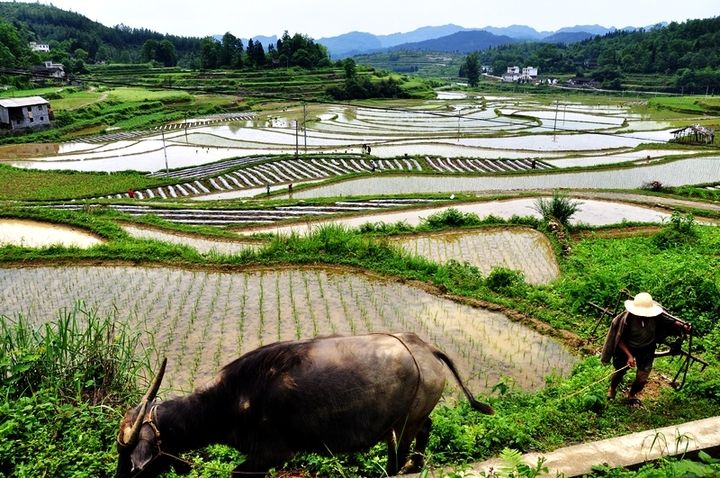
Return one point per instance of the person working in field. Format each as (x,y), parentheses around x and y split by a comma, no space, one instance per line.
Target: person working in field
(632,340)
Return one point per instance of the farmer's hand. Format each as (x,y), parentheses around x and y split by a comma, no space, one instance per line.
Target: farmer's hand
(631,361)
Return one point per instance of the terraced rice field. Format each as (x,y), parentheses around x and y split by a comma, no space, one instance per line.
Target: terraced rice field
(226,217)
(677,173)
(524,250)
(201,320)
(454,127)
(42,234)
(591,212)
(203,246)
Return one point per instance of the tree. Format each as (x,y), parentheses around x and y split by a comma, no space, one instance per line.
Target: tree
(472,68)
(350,68)
(13,51)
(209,53)
(149,49)
(256,53)
(166,54)
(231,49)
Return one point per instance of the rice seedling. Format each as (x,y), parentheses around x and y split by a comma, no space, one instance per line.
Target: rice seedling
(200,320)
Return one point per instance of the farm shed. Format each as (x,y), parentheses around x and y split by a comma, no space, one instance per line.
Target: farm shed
(694,133)
(30,112)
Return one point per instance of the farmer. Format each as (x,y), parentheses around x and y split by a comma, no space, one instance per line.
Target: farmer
(632,339)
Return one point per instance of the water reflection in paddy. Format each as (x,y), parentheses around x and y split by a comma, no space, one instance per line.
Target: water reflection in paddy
(417,128)
(591,212)
(677,173)
(201,320)
(21,232)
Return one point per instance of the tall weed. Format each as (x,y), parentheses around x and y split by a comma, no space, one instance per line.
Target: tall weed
(80,356)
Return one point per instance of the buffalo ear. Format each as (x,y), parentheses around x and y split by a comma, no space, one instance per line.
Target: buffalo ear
(141,455)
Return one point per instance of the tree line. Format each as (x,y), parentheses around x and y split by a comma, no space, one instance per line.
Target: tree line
(289,51)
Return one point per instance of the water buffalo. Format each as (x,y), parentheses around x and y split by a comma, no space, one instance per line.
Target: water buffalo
(325,395)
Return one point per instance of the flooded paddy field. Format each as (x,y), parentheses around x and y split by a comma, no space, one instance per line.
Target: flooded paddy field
(455,125)
(676,173)
(203,246)
(25,233)
(591,212)
(201,320)
(524,250)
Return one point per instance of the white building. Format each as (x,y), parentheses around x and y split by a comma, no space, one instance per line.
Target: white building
(29,112)
(524,75)
(43,47)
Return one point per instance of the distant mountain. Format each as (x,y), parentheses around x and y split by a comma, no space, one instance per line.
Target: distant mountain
(351,43)
(591,29)
(262,39)
(519,32)
(354,43)
(567,37)
(418,35)
(460,42)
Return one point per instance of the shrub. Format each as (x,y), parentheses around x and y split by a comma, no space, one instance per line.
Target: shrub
(505,281)
(451,217)
(560,208)
(679,230)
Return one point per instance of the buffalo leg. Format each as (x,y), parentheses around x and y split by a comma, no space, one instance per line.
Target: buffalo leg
(392,462)
(417,459)
(414,462)
(399,450)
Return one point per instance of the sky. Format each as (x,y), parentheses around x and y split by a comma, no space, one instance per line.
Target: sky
(323,18)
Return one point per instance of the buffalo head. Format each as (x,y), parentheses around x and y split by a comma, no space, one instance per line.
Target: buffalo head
(138,440)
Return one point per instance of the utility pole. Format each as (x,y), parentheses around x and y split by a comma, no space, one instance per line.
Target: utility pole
(458,126)
(557,105)
(296,139)
(165,151)
(304,125)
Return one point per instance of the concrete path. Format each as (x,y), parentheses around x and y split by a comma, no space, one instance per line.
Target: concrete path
(625,451)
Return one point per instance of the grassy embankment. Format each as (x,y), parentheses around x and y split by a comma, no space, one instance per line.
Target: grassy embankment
(679,269)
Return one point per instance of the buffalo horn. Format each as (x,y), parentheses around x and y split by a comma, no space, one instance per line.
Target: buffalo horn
(131,435)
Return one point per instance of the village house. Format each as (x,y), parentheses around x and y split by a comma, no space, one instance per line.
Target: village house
(49,70)
(29,112)
(522,75)
(41,47)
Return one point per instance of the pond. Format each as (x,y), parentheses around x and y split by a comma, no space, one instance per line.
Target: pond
(201,320)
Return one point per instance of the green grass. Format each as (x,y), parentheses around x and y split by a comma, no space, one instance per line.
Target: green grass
(688,104)
(567,411)
(30,184)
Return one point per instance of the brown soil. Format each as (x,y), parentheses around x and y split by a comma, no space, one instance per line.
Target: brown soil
(615,232)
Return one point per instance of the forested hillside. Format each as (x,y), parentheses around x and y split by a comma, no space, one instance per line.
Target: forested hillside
(67,32)
(690,51)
